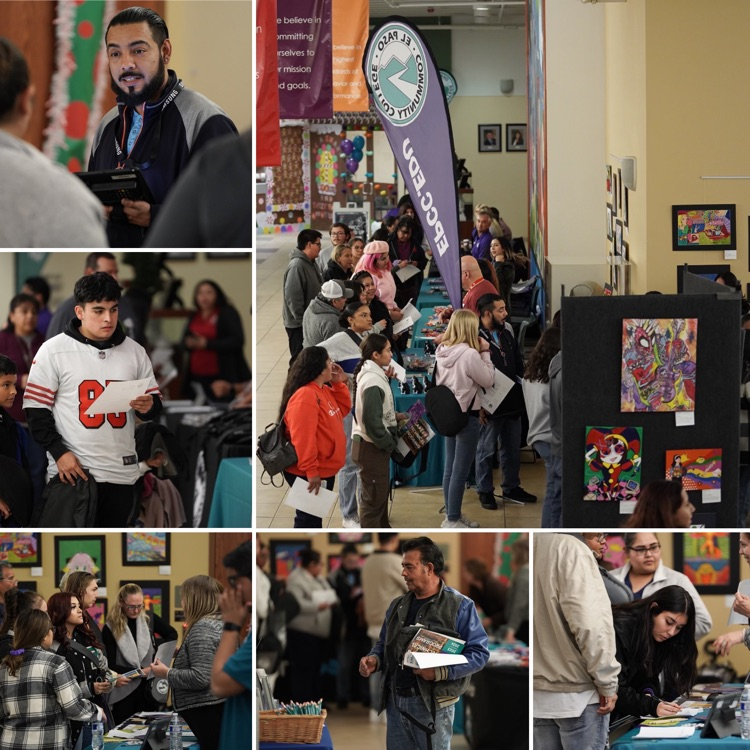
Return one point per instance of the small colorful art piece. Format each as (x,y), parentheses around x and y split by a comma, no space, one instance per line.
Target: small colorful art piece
(709,559)
(613,463)
(615,554)
(658,364)
(99,612)
(21,550)
(145,548)
(81,553)
(703,227)
(285,554)
(696,468)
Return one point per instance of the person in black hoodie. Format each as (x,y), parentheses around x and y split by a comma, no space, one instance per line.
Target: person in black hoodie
(69,372)
(158,124)
(505,423)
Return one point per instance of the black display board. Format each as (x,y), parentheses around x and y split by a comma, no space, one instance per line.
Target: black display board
(592,360)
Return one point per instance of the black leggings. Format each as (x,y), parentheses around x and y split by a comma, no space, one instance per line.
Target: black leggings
(205,723)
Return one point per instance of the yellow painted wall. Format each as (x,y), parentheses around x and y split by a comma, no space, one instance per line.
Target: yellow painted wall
(673,102)
(235,277)
(212,52)
(189,557)
(498,179)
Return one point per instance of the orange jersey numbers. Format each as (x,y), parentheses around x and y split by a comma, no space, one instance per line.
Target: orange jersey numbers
(88,392)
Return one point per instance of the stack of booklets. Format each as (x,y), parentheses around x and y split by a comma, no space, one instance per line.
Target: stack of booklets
(415,432)
(429,649)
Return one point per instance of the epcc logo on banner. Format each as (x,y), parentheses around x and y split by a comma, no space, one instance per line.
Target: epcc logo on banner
(397,73)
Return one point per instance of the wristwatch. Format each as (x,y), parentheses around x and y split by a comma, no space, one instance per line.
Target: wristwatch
(232,627)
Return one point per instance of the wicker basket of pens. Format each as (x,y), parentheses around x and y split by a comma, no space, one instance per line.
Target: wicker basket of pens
(275,727)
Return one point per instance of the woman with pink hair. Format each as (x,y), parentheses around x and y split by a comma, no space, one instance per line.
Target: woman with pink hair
(376,262)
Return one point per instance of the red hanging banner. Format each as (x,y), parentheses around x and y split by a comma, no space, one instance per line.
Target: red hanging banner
(268,136)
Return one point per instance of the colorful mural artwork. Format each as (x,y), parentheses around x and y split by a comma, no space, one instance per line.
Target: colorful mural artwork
(658,364)
(703,227)
(696,468)
(613,463)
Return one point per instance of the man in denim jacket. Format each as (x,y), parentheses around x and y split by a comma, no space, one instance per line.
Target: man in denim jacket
(420,703)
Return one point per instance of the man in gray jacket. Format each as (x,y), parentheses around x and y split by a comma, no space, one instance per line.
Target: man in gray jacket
(321,319)
(575,666)
(302,281)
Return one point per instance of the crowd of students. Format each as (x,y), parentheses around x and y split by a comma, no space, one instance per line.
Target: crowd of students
(59,672)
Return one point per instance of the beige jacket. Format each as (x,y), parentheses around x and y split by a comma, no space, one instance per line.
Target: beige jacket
(311,619)
(574,637)
(381,584)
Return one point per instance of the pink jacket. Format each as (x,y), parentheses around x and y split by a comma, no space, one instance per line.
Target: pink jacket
(386,286)
(464,370)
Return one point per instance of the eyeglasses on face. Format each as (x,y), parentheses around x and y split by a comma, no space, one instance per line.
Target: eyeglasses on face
(601,538)
(134,607)
(641,551)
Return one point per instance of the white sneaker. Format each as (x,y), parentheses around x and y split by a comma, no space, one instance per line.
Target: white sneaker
(351,523)
(461,523)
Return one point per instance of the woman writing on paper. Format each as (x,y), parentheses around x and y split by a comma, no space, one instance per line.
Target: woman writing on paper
(656,649)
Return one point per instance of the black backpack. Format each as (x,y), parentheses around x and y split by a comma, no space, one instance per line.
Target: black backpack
(443,408)
(275,451)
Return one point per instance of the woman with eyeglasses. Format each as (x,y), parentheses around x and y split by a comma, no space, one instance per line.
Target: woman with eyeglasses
(662,504)
(129,641)
(655,640)
(645,573)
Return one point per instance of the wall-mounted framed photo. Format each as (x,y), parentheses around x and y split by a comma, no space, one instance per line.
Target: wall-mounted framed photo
(21,550)
(709,559)
(515,137)
(81,553)
(284,555)
(489,138)
(704,226)
(144,548)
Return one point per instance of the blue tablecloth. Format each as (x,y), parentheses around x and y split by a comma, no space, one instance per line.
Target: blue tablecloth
(433,474)
(326,743)
(432,299)
(231,507)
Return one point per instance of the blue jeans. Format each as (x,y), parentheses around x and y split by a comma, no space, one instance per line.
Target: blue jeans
(348,475)
(402,734)
(459,455)
(589,731)
(552,510)
(508,429)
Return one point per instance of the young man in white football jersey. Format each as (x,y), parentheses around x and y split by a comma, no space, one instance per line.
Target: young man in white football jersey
(69,372)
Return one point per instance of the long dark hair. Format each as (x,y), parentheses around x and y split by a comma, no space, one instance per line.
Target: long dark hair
(675,657)
(310,363)
(656,506)
(16,602)
(58,609)
(17,301)
(375,342)
(537,368)
(349,311)
(30,630)
(221,298)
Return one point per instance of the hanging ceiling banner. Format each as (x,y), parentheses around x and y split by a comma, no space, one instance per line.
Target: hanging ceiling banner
(303,31)
(405,84)
(268,132)
(351,20)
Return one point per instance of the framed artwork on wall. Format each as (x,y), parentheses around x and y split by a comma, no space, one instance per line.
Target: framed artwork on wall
(99,612)
(21,550)
(709,559)
(489,137)
(610,221)
(515,137)
(285,555)
(143,548)
(81,553)
(704,226)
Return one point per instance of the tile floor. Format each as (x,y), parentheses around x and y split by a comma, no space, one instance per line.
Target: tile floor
(411,509)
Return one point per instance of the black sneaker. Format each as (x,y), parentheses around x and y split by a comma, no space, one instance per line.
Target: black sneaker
(487,501)
(520,494)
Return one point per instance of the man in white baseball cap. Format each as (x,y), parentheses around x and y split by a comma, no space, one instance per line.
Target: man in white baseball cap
(321,319)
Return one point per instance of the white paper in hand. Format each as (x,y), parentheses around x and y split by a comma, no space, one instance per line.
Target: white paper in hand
(493,396)
(117,396)
(411,316)
(406,272)
(735,618)
(316,505)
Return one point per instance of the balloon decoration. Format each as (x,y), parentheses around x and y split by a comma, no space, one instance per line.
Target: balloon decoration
(359,142)
(347,146)
(357,155)
(352,165)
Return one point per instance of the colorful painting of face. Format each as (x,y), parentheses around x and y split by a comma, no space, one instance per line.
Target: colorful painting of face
(613,463)
(658,364)
(698,468)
